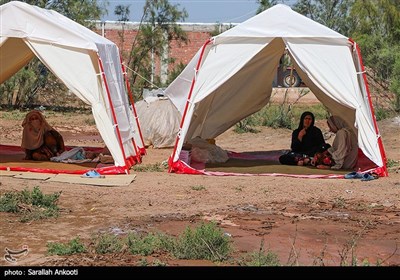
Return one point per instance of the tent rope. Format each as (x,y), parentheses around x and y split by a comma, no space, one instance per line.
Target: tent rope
(127,67)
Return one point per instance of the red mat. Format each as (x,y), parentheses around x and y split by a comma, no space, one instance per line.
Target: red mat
(12,159)
(266,163)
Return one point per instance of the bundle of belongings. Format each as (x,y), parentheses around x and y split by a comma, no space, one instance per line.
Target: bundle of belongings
(79,155)
(202,150)
(161,117)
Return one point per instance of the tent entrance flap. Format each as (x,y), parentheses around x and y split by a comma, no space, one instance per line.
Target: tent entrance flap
(128,87)
(113,112)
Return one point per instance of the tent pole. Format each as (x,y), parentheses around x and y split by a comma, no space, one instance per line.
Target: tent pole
(128,87)
(113,112)
(381,148)
(188,101)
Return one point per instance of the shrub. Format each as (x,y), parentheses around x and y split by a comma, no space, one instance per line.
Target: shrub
(206,241)
(32,205)
(74,246)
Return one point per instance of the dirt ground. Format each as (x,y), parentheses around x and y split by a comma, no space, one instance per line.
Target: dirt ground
(306,222)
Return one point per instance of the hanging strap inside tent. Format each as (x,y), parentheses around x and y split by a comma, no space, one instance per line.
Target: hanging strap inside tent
(128,87)
(113,112)
(382,150)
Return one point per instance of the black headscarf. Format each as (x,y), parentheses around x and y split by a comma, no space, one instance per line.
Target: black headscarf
(301,124)
(312,140)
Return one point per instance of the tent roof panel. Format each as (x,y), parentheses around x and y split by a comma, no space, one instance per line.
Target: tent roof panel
(21,20)
(281,21)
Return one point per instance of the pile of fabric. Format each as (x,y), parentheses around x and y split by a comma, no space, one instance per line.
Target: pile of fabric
(204,151)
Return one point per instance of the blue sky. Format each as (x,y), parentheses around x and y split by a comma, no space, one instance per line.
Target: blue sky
(203,11)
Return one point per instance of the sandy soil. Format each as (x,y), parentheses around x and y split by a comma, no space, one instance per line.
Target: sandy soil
(304,221)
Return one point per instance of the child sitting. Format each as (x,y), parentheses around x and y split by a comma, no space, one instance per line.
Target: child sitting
(321,159)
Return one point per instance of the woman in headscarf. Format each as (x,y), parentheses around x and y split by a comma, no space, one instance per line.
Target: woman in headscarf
(39,140)
(344,148)
(307,139)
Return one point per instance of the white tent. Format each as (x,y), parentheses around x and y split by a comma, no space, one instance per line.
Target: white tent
(87,63)
(231,78)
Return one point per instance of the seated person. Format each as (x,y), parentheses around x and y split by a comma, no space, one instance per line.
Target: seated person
(39,140)
(344,150)
(306,140)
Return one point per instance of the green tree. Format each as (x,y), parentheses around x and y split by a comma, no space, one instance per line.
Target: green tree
(374,25)
(22,89)
(377,31)
(123,13)
(334,14)
(265,4)
(157,30)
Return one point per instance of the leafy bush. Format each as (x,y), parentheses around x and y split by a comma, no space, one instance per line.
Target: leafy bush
(279,116)
(33,205)
(144,244)
(74,246)
(107,243)
(207,241)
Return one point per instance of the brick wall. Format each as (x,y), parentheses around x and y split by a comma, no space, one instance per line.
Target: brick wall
(123,35)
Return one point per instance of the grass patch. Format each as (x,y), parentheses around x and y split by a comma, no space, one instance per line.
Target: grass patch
(392,163)
(74,246)
(156,262)
(90,121)
(156,167)
(339,202)
(31,205)
(279,116)
(58,115)
(14,115)
(198,187)
(239,188)
(107,243)
(146,245)
(206,241)
(246,125)
(260,258)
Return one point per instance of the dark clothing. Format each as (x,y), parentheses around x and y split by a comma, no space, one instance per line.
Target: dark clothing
(290,158)
(311,142)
